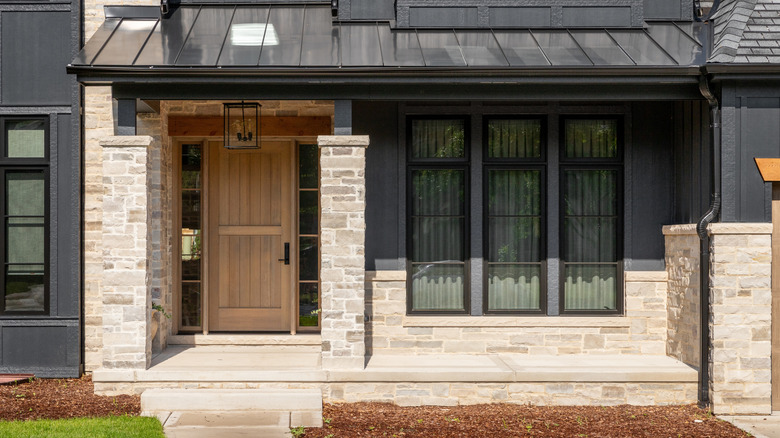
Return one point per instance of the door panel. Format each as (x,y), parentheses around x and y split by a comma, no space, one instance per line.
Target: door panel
(250,201)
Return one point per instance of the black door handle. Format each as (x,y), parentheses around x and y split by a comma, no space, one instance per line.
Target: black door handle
(286,258)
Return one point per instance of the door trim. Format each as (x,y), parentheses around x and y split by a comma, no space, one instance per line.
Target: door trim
(176,142)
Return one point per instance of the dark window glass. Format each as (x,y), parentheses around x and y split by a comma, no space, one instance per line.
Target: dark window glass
(590,239)
(309,258)
(514,239)
(25,138)
(190,304)
(309,305)
(309,212)
(438,239)
(308,166)
(25,241)
(591,138)
(191,236)
(438,138)
(308,231)
(191,250)
(190,166)
(514,138)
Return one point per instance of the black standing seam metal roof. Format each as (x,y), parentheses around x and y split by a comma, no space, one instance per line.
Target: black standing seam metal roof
(225,37)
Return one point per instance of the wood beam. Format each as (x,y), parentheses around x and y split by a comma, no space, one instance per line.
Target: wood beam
(270,126)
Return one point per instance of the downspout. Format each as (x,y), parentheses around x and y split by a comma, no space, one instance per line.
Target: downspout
(701,230)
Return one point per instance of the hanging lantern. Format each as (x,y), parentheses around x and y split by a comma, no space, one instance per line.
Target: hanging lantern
(242,125)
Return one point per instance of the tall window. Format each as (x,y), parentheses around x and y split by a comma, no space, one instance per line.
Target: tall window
(191,236)
(308,235)
(438,203)
(514,213)
(512,171)
(590,208)
(24,169)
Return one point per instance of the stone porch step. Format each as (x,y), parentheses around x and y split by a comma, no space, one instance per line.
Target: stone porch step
(275,340)
(239,408)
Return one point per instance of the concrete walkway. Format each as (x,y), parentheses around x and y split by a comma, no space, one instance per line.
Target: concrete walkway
(760,426)
(225,424)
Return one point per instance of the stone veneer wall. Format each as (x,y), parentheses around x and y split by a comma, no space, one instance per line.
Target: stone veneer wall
(641,331)
(161,226)
(456,393)
(342,246)
(682,266)
(535,393)
(125,287)
(740,321)
(99,124)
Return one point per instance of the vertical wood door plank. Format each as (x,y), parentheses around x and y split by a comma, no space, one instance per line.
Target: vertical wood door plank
(253,191)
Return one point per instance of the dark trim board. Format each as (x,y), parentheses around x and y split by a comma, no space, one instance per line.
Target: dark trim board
(441,90)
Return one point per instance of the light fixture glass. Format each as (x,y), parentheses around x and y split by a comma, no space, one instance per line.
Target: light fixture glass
(242,125)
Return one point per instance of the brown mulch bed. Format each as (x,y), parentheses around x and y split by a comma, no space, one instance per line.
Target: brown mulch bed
(66,398)
(504,420)
(61,398)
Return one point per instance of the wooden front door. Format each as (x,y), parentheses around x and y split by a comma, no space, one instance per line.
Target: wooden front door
(250,222)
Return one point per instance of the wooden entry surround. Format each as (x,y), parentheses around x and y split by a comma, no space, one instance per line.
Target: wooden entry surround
(250,223)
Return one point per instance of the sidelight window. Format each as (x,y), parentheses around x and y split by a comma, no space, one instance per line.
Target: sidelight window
(24,179)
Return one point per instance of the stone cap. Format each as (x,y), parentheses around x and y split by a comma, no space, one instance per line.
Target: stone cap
(342,140)
(721,228)
(740,228)
(127,141)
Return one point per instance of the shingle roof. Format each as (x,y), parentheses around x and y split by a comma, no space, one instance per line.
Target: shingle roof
(747,31)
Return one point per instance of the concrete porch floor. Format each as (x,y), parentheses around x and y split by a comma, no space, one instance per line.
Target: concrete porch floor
(248,363)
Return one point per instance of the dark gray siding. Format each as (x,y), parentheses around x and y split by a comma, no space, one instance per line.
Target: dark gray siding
(520,13)
(668,10)
(380,122)
(651,189)
(520,17)
(692,160)
(596,16)
(751,128)
(35,50)
(37,41)
(443,17)
(656,133)
(371,9)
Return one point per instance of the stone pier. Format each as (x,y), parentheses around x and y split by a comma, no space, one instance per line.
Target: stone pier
(343,233)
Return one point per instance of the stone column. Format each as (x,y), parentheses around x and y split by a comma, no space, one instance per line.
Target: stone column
(126,286)
(682,257)
(740,320)
(343,234)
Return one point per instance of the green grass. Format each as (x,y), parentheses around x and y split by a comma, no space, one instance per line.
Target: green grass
(107,427)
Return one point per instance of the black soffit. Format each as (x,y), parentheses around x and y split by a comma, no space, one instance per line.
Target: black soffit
(263,38)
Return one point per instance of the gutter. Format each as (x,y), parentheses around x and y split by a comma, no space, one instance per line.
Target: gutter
(701,229)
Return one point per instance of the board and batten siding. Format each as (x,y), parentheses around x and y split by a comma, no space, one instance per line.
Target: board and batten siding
(657,133)
(37,40)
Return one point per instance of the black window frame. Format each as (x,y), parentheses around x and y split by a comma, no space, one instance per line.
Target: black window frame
(17,164)
(616,164)
(514,163)
(455,163)
(552,191)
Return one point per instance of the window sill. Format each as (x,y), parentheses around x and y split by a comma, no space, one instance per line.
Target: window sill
(502,321)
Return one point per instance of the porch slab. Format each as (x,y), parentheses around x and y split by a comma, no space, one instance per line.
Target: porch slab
(519,368)
(222,363)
